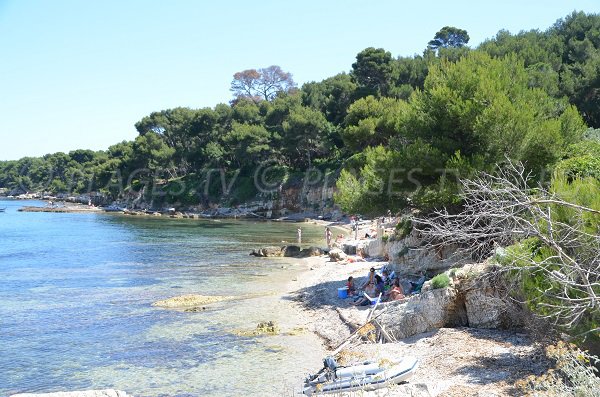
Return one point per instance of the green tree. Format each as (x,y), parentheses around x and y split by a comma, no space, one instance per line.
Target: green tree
(484,106)
(247,145)
(151,152)
(373,71)
(331,96)
(365,191)
(175,126)
(449,36)
(371,121)
(306,135)
(409,74)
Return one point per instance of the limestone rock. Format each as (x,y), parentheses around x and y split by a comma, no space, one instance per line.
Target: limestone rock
(267,327)
(311,251)
(483,308)
(290,250)
(349,249)
(486,307)
(263,328)
(86,393)
(424,312)
(293,251)
(336,255)
(267,252)
(191,300)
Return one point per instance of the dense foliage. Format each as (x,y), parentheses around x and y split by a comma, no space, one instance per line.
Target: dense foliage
(400,131)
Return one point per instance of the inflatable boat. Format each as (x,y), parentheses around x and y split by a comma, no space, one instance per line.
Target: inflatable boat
(367,376)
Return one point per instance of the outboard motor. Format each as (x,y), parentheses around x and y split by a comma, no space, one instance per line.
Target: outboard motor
(330,363)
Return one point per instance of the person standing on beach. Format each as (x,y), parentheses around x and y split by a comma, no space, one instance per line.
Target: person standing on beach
(328,236)
(299,235)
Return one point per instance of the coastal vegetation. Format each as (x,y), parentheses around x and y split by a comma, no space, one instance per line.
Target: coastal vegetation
(396,132)
(442,280)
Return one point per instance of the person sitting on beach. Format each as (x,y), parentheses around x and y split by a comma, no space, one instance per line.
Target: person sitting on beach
(364,301)
(354,258)
(387,280)
(396,293)
(350,286)
(370,278)
(372,233)
(379,285)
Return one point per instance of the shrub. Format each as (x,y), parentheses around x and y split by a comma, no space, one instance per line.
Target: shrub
(575,374)
(440,281)
(403,228)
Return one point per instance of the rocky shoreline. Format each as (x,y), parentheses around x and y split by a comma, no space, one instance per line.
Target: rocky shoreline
(463,343)
(455,360)
(62,210)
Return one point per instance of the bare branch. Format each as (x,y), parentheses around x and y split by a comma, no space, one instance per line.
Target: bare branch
(503,209)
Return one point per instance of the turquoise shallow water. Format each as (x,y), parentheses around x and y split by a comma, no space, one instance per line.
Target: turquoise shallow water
(75,305)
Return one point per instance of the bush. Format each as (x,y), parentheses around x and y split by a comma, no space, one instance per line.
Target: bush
(403,228)
(575,374)
(440,281)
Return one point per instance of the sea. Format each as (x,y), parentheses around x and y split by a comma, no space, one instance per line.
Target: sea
(76,294)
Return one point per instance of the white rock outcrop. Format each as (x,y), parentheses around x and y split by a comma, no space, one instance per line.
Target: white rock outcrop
(475,301)
(337,255)
(424,312)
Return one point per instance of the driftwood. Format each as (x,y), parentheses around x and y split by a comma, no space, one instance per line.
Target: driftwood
(386,335)
(356,332)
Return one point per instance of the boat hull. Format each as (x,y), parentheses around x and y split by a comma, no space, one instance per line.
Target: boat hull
(367,381)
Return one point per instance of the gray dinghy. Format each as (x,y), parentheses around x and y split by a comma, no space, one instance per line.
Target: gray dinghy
(367,376)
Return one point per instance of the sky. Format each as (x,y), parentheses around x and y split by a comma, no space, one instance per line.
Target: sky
(79,74)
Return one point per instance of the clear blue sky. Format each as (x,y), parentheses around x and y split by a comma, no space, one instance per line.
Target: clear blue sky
(79,74)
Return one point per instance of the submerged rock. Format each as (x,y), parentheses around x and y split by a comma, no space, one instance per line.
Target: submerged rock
(263,328)
(290,250)
(267,327)
(191,300)
(310,251)
(195,309)
(86,393)
(268,252)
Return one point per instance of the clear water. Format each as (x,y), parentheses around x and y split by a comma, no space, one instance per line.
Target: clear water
(75,306)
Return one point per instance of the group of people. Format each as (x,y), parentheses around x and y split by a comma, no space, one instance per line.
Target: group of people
(385,284)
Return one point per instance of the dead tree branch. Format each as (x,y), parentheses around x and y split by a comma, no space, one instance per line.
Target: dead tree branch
(503,209)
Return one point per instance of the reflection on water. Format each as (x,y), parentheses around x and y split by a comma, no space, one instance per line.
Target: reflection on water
(76,312)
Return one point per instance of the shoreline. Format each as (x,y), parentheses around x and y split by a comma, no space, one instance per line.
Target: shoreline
(62,210)
(314,321)
(494,360)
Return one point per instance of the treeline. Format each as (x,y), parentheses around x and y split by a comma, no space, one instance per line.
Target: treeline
(400,129)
